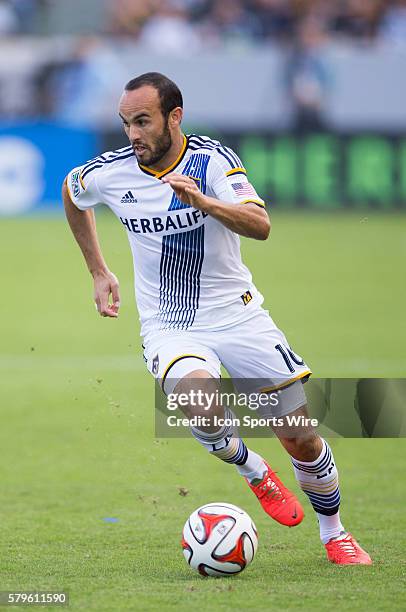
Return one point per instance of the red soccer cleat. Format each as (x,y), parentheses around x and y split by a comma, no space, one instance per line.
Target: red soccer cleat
(277,500)
(345,550)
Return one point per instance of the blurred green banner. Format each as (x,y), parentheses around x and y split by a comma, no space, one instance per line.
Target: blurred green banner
(325,170)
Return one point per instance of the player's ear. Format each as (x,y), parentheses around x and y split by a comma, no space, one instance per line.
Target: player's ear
(175,117)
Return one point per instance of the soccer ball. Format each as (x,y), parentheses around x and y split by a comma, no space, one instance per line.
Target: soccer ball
(219,539)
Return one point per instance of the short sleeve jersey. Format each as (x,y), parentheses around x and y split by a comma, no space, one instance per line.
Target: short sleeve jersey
(187,265)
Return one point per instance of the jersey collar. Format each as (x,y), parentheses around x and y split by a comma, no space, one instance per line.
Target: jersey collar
(161,173)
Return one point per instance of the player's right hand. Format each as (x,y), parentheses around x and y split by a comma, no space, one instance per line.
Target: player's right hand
(106,285)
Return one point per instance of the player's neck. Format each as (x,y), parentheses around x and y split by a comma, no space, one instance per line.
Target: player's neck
(172,155)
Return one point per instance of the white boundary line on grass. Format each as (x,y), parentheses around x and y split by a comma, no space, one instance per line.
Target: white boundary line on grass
(356,367)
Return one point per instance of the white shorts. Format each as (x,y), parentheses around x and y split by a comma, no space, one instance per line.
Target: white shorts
(255,353)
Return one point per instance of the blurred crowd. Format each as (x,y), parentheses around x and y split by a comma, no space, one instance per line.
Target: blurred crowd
(61,84)
(195,23)
(198,22)
(18,16)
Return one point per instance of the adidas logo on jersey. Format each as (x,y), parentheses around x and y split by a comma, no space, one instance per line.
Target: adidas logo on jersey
(128,198)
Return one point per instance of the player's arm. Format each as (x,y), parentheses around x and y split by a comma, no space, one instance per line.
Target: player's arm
(248,219)
(83,226)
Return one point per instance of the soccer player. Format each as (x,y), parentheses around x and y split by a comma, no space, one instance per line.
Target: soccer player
(183,202)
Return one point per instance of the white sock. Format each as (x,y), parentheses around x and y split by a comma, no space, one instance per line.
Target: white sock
(330,526)
(253,468)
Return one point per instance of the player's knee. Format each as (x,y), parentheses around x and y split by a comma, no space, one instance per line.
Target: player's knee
(198,394)
(306,447)
(196,381)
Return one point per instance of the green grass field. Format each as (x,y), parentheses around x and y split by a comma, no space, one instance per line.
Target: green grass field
(77,431)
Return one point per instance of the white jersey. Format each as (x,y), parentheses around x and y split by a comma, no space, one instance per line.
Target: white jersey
(188,268)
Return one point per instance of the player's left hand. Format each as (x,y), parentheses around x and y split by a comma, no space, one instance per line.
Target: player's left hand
(186,190)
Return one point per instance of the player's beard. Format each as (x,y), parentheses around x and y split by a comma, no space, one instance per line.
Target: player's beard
(159,148)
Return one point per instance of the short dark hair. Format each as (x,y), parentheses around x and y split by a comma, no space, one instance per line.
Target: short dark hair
(169,93)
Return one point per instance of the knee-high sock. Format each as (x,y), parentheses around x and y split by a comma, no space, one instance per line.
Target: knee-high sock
(229,447)
(319,480)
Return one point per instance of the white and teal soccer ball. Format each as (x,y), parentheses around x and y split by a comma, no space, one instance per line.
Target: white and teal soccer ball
(219,539)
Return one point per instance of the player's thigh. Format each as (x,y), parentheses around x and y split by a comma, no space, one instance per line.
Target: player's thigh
(172,357)
(259,356)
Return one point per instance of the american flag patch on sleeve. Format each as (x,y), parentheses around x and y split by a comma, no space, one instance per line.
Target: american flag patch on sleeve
(244,189)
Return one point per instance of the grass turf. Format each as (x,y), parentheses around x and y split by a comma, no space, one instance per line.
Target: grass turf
(77,433)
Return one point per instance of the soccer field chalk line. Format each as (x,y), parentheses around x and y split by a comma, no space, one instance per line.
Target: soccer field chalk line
(340,367)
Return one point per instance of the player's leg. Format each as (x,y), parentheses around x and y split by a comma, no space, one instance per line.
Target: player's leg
(225,443)
(313,463)
(216,431)
(268,357)
(316,472)
(182,365)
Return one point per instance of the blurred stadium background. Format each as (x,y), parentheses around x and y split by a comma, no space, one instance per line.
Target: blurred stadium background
(312,94)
